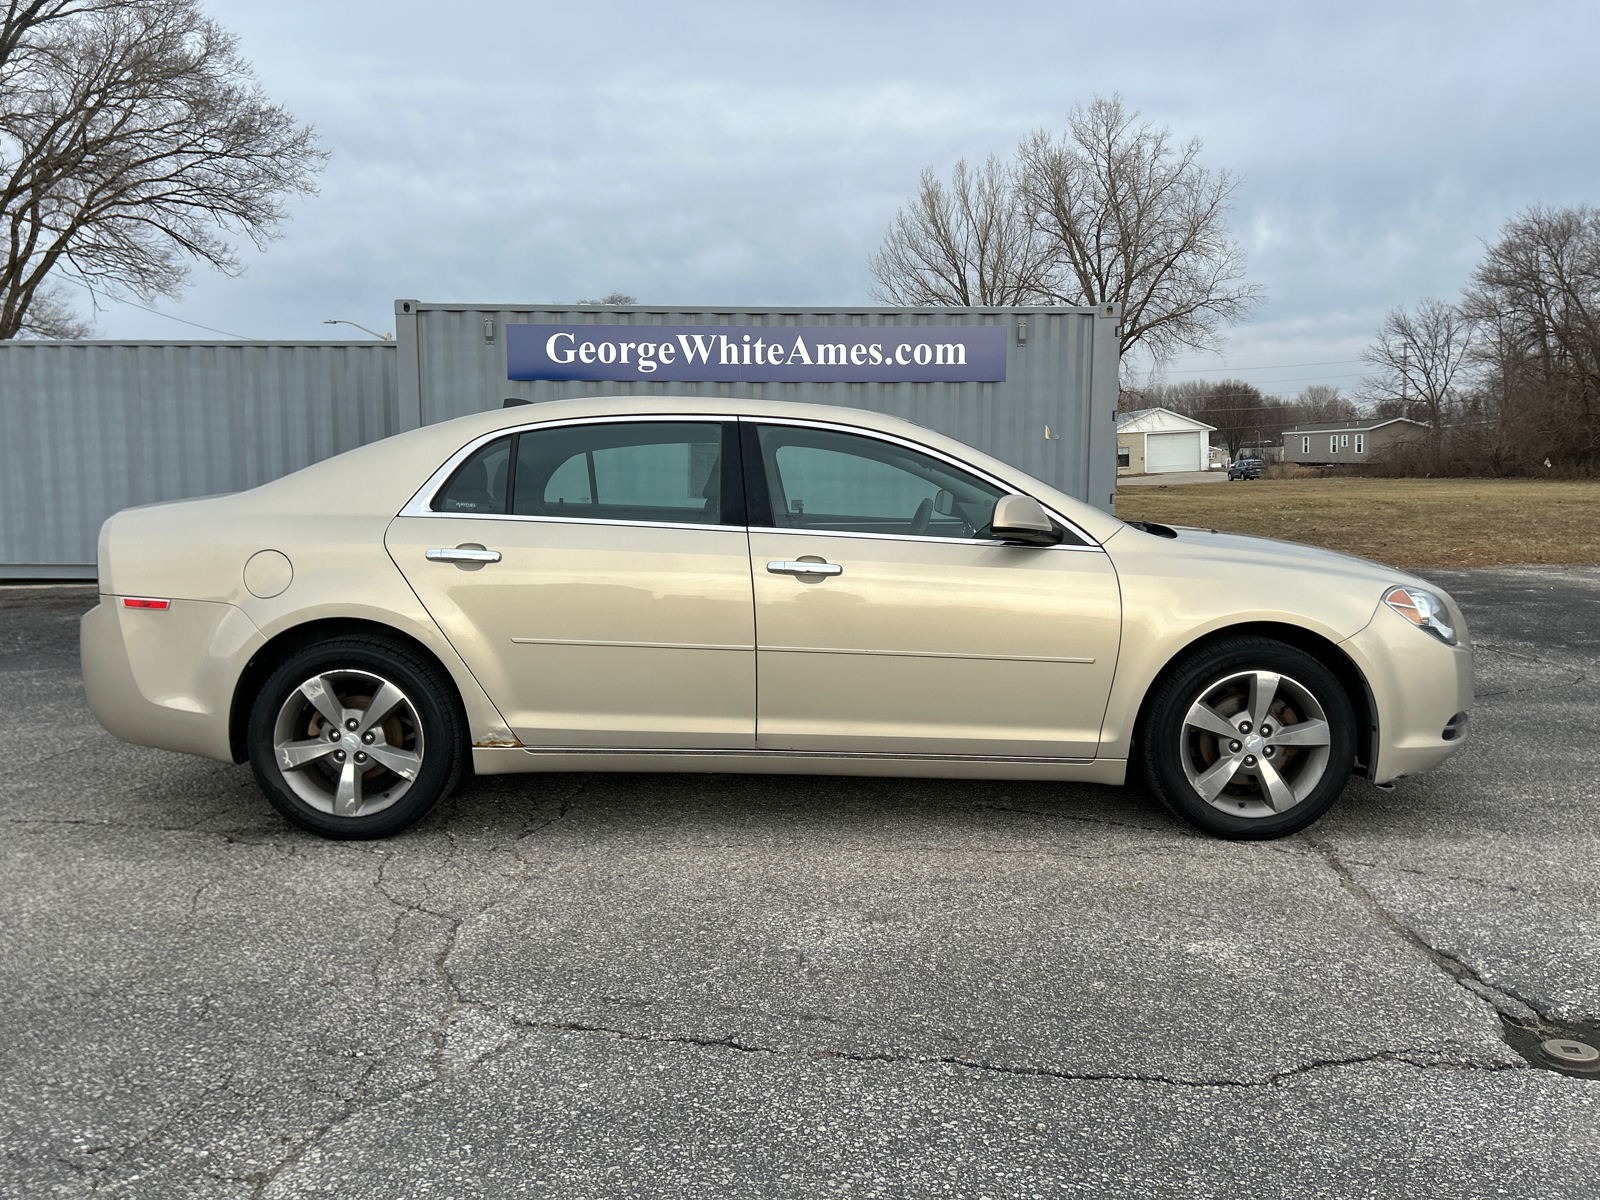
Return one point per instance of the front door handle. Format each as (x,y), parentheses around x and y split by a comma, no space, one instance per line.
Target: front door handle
(805,568)
(463,554)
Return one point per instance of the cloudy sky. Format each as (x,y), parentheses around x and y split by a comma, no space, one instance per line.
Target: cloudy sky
(753,155)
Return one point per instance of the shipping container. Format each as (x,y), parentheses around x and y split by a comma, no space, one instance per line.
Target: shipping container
(87,428)
(1053,414)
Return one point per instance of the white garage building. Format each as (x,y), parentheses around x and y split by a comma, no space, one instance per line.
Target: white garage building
(1154,441)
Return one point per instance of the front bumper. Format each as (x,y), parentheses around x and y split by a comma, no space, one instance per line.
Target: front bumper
(165,678)
(1419,686)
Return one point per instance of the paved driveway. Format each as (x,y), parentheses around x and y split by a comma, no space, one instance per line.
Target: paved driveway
(645,985)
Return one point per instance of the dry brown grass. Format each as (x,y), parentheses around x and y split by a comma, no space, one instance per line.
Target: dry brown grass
(1403,522)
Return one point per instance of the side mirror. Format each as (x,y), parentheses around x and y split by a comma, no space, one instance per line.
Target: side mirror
(1020,519)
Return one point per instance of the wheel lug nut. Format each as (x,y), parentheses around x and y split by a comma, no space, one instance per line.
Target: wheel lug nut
(338,756)
(369,738)
(1235,747)
(1249,760)
(1269,751)
(351,723)
(361,756)
(1266,731)
(333,735)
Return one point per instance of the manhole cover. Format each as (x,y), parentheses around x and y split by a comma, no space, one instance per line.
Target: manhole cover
(1567,1048)
(1571,1052)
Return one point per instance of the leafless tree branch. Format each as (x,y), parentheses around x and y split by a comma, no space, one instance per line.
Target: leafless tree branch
(962,245)
(133,140)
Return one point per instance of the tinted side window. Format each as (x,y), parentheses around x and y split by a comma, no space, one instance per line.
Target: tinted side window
(819,479)
(479,484)
(645,471)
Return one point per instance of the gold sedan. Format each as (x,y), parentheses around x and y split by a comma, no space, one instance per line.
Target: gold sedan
(693,584)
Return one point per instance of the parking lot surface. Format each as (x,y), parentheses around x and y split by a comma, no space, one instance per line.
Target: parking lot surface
(646,985)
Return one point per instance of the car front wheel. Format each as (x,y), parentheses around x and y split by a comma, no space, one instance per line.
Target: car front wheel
(1248,738)
(355,738)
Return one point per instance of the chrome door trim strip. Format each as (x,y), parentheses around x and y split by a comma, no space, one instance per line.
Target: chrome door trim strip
(907,537)
(533,641)
(1039,658)
(845,754)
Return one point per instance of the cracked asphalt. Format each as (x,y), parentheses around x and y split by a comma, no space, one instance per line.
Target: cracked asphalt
(651,985)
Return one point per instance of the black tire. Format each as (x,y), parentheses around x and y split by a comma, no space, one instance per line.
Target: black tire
(1165,741)
(427,725)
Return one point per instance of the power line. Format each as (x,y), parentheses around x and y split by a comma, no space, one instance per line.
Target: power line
(157,312)
(1334,362)
(1271,383)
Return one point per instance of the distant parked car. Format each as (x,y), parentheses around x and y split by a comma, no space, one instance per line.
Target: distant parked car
(1246,468)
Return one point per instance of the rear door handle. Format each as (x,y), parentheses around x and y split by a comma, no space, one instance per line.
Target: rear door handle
(805,568)
(460,554)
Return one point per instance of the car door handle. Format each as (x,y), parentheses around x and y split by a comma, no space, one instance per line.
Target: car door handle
(805,568)
(460,554)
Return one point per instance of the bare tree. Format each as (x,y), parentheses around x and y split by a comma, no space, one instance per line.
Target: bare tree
(1536,301)
(613,298)
(1419,357)
(133,141)
(963,245)
(1321,403)
(1132,220)
(1238,411)
(1111,212)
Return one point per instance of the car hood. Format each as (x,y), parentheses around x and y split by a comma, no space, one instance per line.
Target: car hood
(1248,549)
(1215,578)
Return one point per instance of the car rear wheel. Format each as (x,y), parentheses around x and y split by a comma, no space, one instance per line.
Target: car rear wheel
(355,738)
(1248,738)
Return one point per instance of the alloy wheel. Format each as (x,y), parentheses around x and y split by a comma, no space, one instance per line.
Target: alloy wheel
(349,743)
(1255,744)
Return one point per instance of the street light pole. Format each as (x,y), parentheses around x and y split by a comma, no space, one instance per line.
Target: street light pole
(382,337)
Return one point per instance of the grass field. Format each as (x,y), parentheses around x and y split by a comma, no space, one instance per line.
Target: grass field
(1403,522)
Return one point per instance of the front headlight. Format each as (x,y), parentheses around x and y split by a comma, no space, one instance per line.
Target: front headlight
(1422,609)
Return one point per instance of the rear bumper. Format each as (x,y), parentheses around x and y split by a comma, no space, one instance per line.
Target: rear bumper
(165,678)
(1419,687)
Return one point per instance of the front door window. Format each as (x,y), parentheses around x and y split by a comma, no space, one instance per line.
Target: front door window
(820,479)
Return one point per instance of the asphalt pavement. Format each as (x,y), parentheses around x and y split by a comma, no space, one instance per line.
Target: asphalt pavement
(692,985)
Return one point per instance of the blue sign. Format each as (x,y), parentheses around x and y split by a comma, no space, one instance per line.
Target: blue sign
(758,353)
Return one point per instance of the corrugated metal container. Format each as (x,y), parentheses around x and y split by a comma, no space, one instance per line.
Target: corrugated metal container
(1061,374)
(87,428)
(91,427)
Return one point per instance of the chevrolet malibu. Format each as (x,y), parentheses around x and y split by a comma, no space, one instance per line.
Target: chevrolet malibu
(704,584)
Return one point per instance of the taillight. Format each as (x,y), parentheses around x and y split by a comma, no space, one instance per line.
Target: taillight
(144,602)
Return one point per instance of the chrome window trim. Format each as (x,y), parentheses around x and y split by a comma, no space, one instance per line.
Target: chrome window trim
(995,544)
(531,517)
(920,448)
(421,502)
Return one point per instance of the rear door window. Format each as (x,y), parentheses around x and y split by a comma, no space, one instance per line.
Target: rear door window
(655,471)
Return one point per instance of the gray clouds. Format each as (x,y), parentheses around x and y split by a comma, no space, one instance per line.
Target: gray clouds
(745,155)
